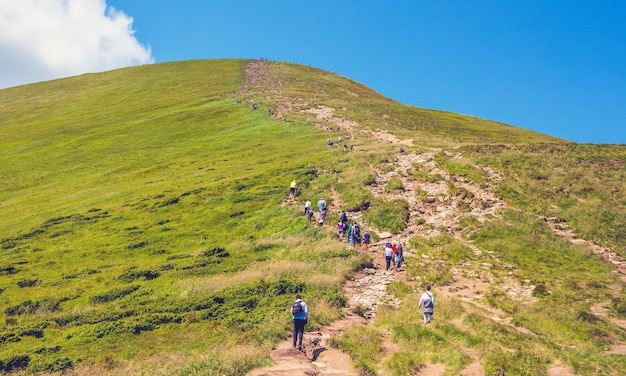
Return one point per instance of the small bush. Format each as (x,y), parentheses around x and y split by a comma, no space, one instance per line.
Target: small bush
(113,294)
(216,252)
(137,245)
(27,283)
(359,310)
(30,307)
(618,308)
(14,363)
(132,275)
(8,270)
(540,290)
(57,365)
(394,184)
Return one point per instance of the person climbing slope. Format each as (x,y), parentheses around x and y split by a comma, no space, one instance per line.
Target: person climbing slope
(366,241)
(340,229)
(300,314)
(428,301)
(388,255)
(292,188)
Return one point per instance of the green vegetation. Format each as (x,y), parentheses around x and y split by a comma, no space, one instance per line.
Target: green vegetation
(388,215)
(143,228)
(142,204)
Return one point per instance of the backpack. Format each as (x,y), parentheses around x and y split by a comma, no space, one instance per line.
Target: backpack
(296,308)
(428,303)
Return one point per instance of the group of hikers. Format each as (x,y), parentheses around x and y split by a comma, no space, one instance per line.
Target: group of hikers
(393,251)
(300,314)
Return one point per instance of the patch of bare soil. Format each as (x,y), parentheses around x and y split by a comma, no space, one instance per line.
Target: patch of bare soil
(558,369)
(431,370)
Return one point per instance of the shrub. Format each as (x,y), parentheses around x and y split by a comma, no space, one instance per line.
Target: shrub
(215,252)
(394,184)
(14,363)
(30,307)
(27,283)
(57,365)
(113,294)
(132,275)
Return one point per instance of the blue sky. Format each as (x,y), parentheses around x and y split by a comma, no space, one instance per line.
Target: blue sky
(556,67)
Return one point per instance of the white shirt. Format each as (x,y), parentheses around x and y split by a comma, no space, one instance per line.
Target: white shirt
(427,295)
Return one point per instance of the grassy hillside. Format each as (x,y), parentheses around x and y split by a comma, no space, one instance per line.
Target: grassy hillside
(142,230)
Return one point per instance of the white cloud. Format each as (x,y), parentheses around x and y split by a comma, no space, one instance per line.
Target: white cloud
(47,39)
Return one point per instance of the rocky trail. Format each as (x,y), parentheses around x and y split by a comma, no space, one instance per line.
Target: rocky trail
(368,287)
(433,210)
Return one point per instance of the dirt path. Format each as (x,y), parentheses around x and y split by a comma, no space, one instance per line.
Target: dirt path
(433,210)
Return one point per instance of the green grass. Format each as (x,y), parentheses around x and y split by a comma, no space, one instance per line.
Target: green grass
(142,231)
(132,215)
(388,215)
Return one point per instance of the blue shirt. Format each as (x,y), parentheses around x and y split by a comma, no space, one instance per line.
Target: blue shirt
(305,311)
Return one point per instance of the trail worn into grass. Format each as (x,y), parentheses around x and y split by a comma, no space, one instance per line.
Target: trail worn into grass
(601,309)
(433,210)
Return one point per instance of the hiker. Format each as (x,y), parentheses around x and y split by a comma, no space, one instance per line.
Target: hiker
(340,139)
(399,257)
(300,314)
(388,255)
(428,300)
(307,207)
(321,204)
(401,150)
(349,235)
(343,217)
(356,235)
(340,229)
(322,217)
(292,188)
(345,147)
(310,215)
(366,241)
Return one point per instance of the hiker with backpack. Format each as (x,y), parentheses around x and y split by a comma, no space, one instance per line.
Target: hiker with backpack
(300,314)
(340,229)
(388,255)
(307,207)
(292,188)
(366,241)
(322,217)
(343,217)
(428,301)
(356,234)
(321,204)
(349,235)
(398,257)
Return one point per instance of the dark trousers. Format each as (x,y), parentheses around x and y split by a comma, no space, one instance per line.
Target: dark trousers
(387,262)
(298,331)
